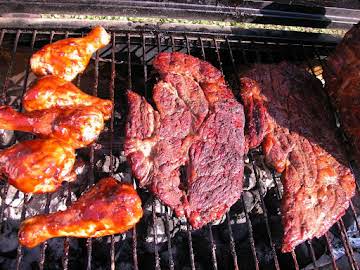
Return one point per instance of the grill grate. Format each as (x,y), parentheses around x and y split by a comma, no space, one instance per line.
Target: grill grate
(128,61)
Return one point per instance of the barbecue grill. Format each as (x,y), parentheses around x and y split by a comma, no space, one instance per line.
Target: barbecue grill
(249,236)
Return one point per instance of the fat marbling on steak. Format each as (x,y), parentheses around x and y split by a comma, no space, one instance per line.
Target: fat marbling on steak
(198,125)
(286,112)
(342,79)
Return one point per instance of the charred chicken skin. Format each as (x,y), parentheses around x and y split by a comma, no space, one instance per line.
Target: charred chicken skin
(51,91)
(38,166)
(107,208)
(78,126)
(68,57)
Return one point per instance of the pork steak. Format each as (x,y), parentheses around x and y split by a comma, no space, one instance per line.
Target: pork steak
(286,112)
(197,128)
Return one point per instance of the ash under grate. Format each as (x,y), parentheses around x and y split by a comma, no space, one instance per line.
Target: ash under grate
(248,237)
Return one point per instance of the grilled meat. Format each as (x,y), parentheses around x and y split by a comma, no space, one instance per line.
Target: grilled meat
(38,166)
(286,112)
(51,91)
(107,208)
(342,77)
(198,124)
(68,57)
(78,126)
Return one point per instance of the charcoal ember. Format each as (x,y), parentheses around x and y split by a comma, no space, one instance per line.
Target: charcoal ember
(55,252)
(81,168)
(13,204)
(8,236)
(250,200)
(304,255)
(272,202)
(149,205)
(57,203)
(266,179)
(239,231)
(249,177)
(23,136)
(166,255)
(36,203)
(125,266)
(108,164)
(117,115)
(238,218)
(158,226)
(6,138)
(124,177)
(117,238)
(30,259)
(220,220)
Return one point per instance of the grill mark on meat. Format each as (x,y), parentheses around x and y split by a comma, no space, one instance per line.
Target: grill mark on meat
(342,77)
(298,140)
(200,127)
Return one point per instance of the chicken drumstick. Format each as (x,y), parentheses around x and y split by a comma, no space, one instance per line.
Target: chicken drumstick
(52,91)
(107,208)
(68,57)
(77,127)
(38,166)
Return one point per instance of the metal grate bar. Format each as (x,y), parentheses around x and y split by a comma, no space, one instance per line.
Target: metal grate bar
(144,63)
(293,255)
(333,262)
(3,101)
(112,97)
(346,247)
(310,247)
(65,258)
(19,253)
(191,250)
(2,36)
(19,250)
(48,200)
(276,261)
(347,242)
(157,258)
(340,224)
(129,62)
(171,260)
(134,237)
(9,69)
(232,242)
(326,235)
(312,253)
(309,244)
(92,155)
(44,245)
(167,224)
(248,221)
(213,246)
(354,214)
(277,187)
(33,39)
